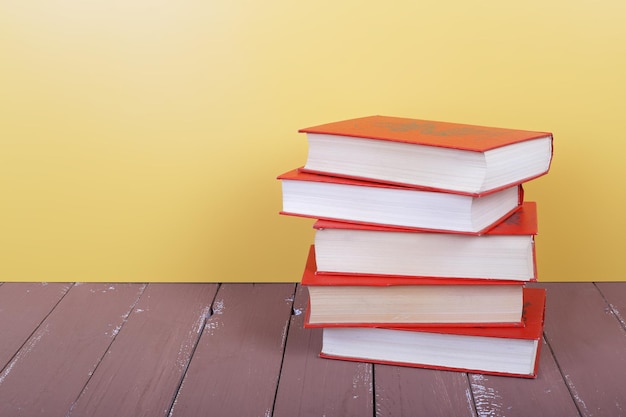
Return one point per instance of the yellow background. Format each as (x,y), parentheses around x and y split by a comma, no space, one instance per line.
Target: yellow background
(140,140)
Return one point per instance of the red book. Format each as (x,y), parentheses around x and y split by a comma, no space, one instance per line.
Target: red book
(512,351)
(505,252)
(339,300)
(334,198)
(442,156)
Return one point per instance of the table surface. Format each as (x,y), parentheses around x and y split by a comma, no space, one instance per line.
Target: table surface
(240,349)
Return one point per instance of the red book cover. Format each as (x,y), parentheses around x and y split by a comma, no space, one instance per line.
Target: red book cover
(533,318)
(299,175)
(427,132)
(361,158)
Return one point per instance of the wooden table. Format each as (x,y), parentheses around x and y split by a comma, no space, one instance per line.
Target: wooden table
(133,349)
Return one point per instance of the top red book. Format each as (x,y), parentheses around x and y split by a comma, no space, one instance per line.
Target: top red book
(451,157)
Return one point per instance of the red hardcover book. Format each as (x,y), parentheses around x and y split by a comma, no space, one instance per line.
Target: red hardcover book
(333,198)
(338,300)
(505,252)
(512,351)
(442,156)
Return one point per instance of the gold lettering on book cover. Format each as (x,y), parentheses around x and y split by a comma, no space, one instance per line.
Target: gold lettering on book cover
(437,129)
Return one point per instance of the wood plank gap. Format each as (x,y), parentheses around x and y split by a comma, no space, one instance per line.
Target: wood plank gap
(49,372)
(234,370)
(287,328)
(211,308)
(141,371)
(568,383)
(36,328)
(612,308)
(405,390)
(589,347)
(142,290)
(374,401)
(310,385)
(193,352)
(572,393)
(471,399)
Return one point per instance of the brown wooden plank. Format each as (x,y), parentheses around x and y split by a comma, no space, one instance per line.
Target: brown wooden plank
(547,395)
(23,306)
(615,294)
(50,370)
(405,391)
(589,345)
(312,386)
(235,368)
(143,368)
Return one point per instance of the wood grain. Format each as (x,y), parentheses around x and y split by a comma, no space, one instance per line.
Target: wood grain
(23,306)
(48,373)
(236,365)
(137,349)
(615,294)
(548,395)
(589,344)
(141,371)
(404,391)
(312,386)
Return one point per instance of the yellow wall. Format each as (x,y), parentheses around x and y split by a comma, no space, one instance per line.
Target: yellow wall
(140,140)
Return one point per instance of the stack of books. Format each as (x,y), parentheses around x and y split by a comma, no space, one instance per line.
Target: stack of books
(423,243)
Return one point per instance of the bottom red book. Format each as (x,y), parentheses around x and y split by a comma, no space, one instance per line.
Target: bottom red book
(511,351)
